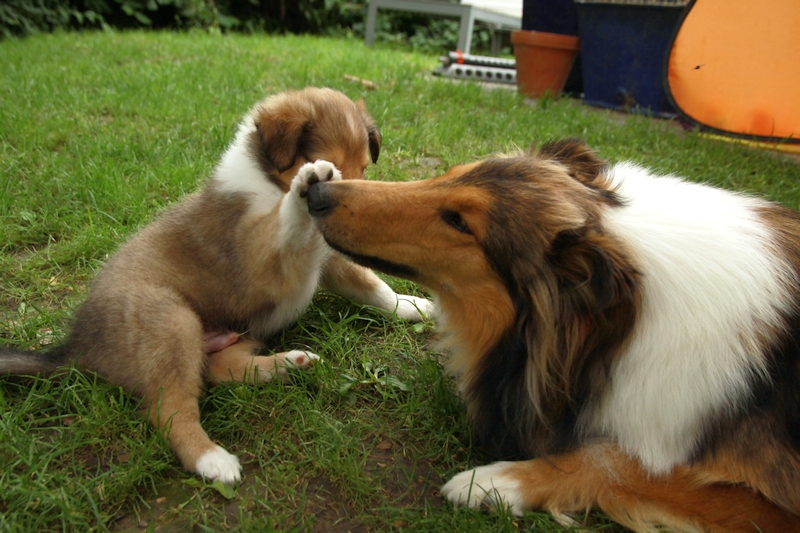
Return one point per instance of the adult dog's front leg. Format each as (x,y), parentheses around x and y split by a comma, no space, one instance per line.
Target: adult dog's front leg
(364,287)
(604,476)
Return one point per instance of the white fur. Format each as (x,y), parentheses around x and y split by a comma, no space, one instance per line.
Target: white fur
(300,359)
(412,307)
(279,366)
(218,464)
(238,171)
(713,286)
(488,485)
(391,304)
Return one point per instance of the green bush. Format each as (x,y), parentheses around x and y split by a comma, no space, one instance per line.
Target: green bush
(421,32)
(25,17)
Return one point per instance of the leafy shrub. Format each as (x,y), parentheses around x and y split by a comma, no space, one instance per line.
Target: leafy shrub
(428,33)
(422,32)
(25,17)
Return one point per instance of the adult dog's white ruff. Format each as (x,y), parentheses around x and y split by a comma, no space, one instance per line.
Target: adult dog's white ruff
(713,285)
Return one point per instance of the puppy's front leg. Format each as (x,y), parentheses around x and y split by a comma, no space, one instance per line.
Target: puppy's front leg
(364,287)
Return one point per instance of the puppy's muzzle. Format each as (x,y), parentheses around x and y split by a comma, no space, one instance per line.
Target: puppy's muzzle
(320,200)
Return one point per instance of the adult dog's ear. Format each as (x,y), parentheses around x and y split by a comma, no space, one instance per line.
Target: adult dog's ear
(593,273)
(577,157)
(575,311)
(279,140)
(581,317)
(373,135)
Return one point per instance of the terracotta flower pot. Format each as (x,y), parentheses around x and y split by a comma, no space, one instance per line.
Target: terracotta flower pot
(543,61)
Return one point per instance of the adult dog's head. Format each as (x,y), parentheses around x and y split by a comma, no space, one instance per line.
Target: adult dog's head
(535,299)
(289,129)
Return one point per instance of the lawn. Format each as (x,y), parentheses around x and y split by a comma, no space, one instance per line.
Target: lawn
(100,132)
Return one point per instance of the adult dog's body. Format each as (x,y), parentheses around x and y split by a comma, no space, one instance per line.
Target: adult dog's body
(242,254)
(630,341)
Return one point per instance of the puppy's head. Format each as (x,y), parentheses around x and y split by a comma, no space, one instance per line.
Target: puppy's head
(296,127)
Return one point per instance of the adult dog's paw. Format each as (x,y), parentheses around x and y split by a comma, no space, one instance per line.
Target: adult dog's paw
(490,485)
(310,173)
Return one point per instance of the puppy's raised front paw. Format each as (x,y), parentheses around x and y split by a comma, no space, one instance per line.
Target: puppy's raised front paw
(310,173)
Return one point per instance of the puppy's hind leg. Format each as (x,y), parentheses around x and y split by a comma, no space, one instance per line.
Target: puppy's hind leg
(238,362)
(172,388)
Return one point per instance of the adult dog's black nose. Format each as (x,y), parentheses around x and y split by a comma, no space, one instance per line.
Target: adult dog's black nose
(320,200)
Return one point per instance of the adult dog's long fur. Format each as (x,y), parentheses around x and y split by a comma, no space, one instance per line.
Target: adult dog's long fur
(626,340)
(242,254)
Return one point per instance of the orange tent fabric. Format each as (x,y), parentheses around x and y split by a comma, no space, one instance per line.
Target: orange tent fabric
(734,67)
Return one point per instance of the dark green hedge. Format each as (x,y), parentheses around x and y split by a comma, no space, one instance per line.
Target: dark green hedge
(26,17)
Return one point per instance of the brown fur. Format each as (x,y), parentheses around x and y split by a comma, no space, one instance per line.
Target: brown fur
(533,335)
(214,263)
(684,500)
(286,135)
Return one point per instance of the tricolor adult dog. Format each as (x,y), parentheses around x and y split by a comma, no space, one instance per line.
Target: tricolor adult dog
(621,339)
(240,255)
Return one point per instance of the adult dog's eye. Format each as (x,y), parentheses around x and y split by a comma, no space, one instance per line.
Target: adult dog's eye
(454,219)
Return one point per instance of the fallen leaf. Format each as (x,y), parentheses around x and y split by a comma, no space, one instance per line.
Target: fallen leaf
(224,489)
(369,85)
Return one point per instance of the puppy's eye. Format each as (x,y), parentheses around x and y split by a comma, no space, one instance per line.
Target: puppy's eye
(454,219)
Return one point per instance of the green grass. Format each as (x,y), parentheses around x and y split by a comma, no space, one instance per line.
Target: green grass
(100,132)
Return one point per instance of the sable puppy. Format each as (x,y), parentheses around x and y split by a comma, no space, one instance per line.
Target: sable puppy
(627,340)
(242,254)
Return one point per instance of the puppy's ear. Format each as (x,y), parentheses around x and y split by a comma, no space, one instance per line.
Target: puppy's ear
(579,159)
(593,273)
(375,140)
(373,135)
(280,139)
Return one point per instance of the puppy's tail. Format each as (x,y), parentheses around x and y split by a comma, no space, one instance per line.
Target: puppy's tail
(24,362)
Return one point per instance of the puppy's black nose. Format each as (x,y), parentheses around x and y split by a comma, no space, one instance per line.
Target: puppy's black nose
(320,200)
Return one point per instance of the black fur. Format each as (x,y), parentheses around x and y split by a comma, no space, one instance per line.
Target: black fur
(585,286)
(376,263)
(503,419)
(375,140)
(15,361)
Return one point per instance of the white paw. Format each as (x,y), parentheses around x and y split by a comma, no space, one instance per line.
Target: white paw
(300,359)
(413,308)
(319,171)
(489,485)
(219,464)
